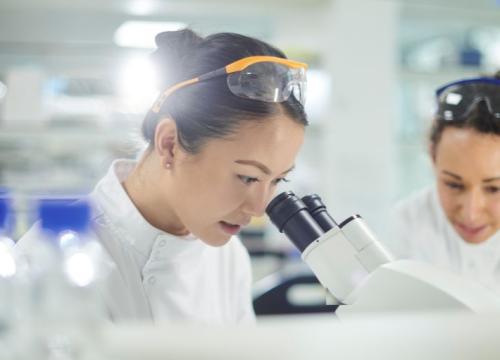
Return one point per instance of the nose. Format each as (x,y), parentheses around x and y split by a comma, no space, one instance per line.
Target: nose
(473,206)
(256,202)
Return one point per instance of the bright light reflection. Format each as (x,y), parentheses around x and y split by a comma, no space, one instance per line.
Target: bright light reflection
(276,94)
(80,269)
(495,54)
(68,238)
(141,34)
(318,93)
(138,83)
(7,261)
(453,98)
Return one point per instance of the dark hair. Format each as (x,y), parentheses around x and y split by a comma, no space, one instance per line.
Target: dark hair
(479,119)
(208,109)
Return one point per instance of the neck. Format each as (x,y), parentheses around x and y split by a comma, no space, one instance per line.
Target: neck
(142,186)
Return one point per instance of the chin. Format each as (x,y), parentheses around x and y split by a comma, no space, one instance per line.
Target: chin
(215,240)
(478,239)
(474,240)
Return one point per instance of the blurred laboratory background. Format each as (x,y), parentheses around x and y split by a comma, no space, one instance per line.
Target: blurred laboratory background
(75,86)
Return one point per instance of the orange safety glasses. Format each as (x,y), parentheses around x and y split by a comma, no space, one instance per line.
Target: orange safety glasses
(263,78)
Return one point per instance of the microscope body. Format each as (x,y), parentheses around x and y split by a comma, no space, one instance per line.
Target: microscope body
(353,251)
(356,270)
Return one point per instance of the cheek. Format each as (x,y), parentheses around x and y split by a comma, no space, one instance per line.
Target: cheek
(449,199)
(211,197)
(494,210)
(232,194)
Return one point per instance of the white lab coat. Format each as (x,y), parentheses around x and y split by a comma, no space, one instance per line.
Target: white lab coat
(422,232)
(158,276)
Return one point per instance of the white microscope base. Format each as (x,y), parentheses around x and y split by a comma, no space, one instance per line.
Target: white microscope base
(409,286)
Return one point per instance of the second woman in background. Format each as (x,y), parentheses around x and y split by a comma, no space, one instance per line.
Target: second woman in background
(455,223)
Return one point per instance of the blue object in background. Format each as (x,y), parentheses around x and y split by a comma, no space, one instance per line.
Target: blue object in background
(58,215)
(6,213)
(470,56)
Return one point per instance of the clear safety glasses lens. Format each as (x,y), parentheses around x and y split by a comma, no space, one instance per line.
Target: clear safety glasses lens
(457,101)
(269,82)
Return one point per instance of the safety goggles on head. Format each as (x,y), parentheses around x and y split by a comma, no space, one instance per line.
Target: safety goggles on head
(457,99)
(264,78)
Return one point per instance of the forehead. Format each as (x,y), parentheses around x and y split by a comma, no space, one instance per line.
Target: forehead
(466,151)
(273,141)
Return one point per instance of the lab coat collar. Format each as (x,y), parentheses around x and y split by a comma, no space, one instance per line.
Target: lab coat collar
(132,227)
(113,200)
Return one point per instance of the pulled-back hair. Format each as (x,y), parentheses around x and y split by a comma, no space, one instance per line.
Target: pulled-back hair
(478,119)
(209,110)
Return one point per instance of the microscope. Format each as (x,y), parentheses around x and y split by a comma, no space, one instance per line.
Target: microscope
(357,271)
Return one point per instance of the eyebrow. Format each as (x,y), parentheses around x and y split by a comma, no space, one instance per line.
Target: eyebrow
(460,178)
(452,175)
(260,166)
(492,179)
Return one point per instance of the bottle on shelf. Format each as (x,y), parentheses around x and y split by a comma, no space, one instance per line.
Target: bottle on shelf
(7,274)
(66,265)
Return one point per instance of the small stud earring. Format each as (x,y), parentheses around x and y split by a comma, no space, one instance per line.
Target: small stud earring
(168,165)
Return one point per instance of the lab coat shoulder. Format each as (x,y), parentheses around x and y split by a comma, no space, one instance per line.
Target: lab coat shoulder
(125,292)
(414,223)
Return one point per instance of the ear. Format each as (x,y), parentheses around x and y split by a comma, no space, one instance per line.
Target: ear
(166,141)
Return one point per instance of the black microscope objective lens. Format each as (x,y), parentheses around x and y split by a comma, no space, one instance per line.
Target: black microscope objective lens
(291,216)
(318,211)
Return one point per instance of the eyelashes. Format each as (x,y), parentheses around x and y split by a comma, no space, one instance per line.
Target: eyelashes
(460,187)
(247,180)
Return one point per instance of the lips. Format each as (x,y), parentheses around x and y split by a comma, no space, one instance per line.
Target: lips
(231,228)
(470,231)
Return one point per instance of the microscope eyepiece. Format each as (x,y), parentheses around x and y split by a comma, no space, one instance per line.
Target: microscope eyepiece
(283,207)
(318,211)
(291,216)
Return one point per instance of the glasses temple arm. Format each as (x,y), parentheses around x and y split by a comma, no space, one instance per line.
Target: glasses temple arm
(213,74)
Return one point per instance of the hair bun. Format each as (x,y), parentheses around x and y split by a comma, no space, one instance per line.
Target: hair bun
(172,48)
